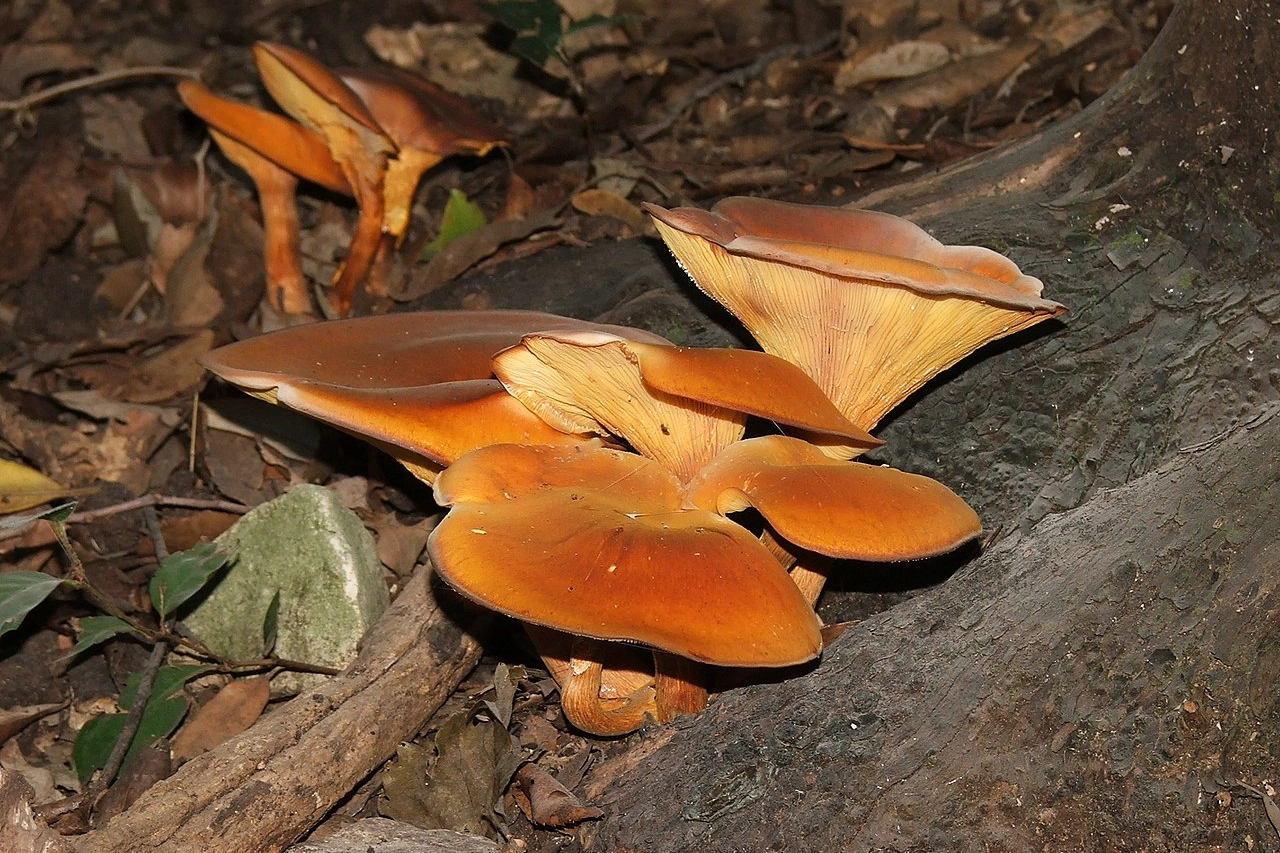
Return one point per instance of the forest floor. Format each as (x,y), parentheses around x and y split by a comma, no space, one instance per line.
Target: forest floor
(128,248)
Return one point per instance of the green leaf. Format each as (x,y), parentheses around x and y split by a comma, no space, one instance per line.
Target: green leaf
(162,715)
(57,515)
(97,629)
(20,593)
(169,680)
(523,15)
(538,25)
(461,216)
(182,575)
(270,623)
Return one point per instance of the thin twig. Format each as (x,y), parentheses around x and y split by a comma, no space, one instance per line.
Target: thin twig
(132,722)
(93,515)
(26,102)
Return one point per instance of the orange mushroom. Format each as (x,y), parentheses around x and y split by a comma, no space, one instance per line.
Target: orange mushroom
(426,123)
(274,152)
(417,384)
(626,559)
(318,98)
(843,509)
(677,405)
(867,303)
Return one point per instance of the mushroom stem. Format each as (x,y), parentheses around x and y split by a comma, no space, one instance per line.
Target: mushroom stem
(287,288)
(810,579)
(680,685)
(605,688)
(360,257)
(584,707)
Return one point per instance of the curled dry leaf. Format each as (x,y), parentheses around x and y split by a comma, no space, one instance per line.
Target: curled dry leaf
(548,803)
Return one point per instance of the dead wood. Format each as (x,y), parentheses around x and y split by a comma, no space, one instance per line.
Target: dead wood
(263,789)
(1104,676)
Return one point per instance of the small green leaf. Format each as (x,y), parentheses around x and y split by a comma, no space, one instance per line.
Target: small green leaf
(56,515)
(182,575)
(538,25)
(20,593)
(97,629)
(270,622)
(169,680)
(162,715)
(461,216)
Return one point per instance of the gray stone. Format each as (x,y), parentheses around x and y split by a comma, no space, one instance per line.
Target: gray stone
(316,553)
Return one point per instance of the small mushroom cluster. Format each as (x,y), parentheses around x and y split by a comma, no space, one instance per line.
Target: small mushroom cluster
(369,133)
(594,473)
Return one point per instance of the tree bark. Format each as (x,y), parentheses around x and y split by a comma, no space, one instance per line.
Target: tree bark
(1104,676)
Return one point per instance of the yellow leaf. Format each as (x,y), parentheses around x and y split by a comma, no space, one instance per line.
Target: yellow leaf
(22,487)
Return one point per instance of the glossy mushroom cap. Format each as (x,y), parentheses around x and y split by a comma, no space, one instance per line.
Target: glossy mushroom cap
(283,141)
(418,384)
(274,152)
(599,543)
(848,510)
(868,304)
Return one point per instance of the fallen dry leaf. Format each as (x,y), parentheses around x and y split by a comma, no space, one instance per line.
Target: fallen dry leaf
(548,803)
(598,202)
(469,250)
(172,372)
(22,831)
(14,720)
(41,202)
(235,707)
(475,758)
(22,488)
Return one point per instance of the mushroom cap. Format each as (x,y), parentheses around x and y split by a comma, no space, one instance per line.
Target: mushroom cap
(388,350)
(316,96)
(426,123)
(676,405)
(275,138)
(849,510)
(417,113)
(419,385)
(867,303)
(599,543)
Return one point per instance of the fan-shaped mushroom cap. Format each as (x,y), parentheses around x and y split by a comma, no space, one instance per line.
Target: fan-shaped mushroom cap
(849,510)
(676,405)
(284,142)
(868,304)
(427,125)
(418,385)
(599,543)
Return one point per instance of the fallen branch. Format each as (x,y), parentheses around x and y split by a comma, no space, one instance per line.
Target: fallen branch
(267,787)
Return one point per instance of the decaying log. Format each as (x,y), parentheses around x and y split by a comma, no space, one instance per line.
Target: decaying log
(263,789)
(1103,678)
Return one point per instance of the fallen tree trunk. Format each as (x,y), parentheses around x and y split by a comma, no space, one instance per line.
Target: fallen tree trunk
(1105,675)
(1097,681)
(265,788)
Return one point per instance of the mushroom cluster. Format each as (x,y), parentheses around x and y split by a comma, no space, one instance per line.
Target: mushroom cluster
(595,474)
(369,133)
